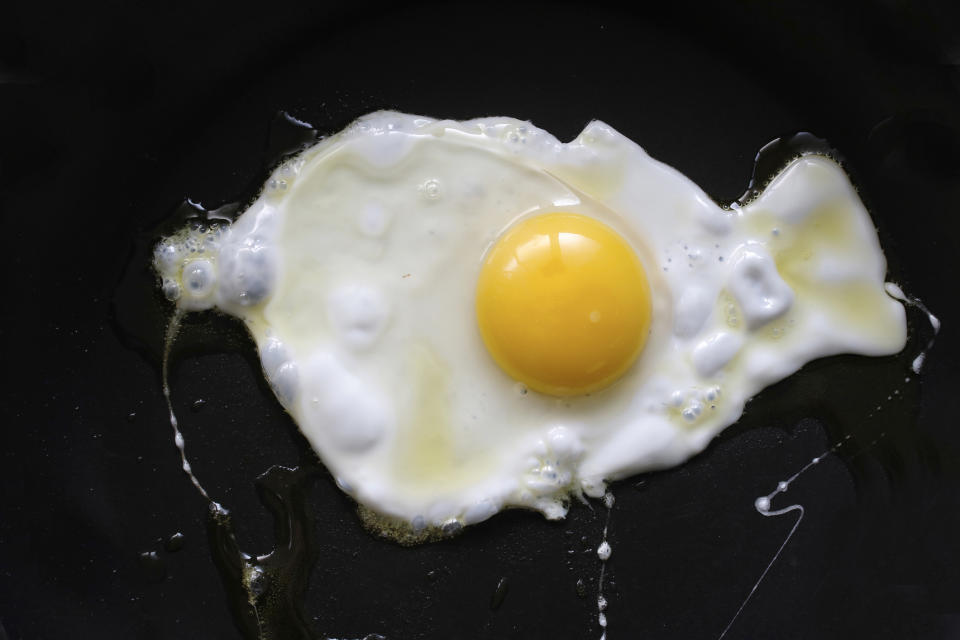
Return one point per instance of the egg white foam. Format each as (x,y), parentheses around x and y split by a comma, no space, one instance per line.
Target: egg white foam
(355,269)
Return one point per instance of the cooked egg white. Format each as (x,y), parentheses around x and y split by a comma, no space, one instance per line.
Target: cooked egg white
(467,316)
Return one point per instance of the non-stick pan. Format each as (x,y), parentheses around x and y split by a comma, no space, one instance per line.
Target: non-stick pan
(118,118)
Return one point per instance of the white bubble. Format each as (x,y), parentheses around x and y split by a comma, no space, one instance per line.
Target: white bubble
(199,278)
(358,313)
(431,189)
(171,290)
(167,256)
(285,381)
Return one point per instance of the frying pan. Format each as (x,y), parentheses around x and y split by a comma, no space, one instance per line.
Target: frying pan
(114,116)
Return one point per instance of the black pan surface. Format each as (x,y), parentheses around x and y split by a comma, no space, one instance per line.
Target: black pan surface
(113,116)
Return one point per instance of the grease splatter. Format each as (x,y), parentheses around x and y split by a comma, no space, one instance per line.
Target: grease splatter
(764,504)
(265,593)
(604,551)
(897,293)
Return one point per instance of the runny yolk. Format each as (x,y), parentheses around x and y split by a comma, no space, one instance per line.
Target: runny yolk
(563,304)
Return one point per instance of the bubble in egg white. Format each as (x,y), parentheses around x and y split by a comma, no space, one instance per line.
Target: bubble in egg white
(285,382)
(247,273)
(198,276)
(373,220)
(171,289)
(358,314)
(272,355)
(693,307)
(757,286)
(715,351)
(351,419)
(431,189)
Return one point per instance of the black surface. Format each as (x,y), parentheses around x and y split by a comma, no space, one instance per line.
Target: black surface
(112,116)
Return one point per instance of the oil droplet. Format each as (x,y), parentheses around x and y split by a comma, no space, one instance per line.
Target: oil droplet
(581,588)
(499,594)
(154,569)
(174,543)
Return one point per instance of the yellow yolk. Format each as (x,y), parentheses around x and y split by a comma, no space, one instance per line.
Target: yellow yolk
(563,304)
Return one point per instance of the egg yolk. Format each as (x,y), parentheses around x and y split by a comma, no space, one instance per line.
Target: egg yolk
(563,304)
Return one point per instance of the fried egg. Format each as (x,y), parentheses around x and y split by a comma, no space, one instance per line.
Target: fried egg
(467,316)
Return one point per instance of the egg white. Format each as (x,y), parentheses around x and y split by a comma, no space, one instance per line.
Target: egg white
(355,270)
